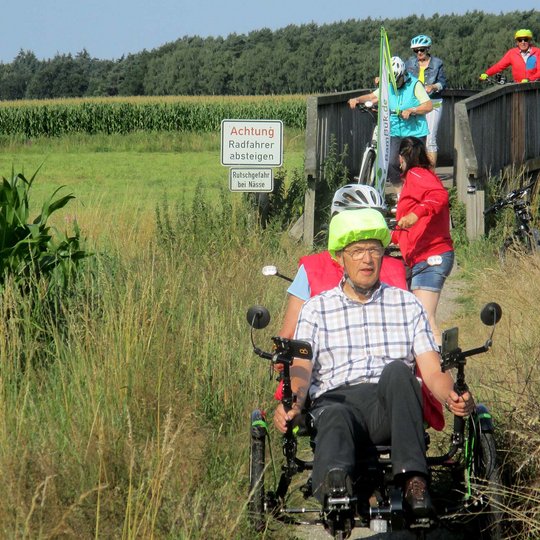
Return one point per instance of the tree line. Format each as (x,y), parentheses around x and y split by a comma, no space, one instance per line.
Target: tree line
(297,59)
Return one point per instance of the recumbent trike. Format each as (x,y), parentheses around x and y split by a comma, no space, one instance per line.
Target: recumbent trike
(465,481)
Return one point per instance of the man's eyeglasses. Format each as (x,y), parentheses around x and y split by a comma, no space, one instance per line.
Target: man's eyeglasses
(357,254)
(419,50)
(521,39)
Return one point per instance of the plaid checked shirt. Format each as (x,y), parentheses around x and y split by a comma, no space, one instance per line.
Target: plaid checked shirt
(352,342)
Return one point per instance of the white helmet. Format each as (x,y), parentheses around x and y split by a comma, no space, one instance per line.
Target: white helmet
(356,196)
(398,66)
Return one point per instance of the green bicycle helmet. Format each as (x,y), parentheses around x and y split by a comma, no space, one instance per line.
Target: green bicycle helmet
(354,225)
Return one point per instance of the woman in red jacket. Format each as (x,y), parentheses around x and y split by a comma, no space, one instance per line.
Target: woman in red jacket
(423,231)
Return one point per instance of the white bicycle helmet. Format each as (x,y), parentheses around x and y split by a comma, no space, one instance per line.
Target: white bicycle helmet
(356,196)
(398,66)
(420,41)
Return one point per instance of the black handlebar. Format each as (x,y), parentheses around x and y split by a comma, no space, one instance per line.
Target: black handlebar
(286,350)
(499,78)
(364,108)
(509,198)
(371,110)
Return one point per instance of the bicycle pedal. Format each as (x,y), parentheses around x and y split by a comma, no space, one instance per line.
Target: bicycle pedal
(339,522)
(340,503)
(421,523)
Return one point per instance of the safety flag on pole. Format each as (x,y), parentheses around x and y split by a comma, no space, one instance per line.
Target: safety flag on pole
(386,77)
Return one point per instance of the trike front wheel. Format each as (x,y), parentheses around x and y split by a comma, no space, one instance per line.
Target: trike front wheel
(256,500)
(486,481)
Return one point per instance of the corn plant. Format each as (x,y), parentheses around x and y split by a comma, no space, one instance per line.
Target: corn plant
(61,117)
(34,250)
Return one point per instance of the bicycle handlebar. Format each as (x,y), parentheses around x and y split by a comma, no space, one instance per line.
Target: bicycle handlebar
(285,350)
(508,198)
(362,107)
(497,79)
(456,358)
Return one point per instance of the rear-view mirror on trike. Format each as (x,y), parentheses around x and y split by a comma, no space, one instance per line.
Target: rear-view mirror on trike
(258,317)
(491,314)
(271,270)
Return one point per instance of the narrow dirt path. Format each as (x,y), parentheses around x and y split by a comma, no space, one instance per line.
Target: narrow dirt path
(449,303)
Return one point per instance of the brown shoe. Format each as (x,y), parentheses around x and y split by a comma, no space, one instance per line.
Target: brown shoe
(417,497)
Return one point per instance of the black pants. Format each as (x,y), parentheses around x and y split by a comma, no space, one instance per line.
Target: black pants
(350,418)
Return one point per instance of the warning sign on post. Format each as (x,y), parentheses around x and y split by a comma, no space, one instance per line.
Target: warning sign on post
(251,180)
(255,143)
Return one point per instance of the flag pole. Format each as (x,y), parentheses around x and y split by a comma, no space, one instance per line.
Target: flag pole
(386,78)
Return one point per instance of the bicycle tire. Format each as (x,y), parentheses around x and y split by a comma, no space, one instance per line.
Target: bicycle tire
(505,249)
(257,466)
(367,174)
(535,241)
(522,244)
(486,481)
(528,241)
(262,204)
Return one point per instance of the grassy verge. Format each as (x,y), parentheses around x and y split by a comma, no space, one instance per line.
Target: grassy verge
(128,416)
(125,416)
(119,179)
(507,379)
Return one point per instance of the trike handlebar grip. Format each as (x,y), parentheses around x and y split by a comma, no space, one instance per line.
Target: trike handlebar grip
(459,424)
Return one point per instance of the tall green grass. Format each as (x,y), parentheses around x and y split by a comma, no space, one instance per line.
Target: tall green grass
(127,417)
(126,414)
(135,426)
(120,178)
(507,379)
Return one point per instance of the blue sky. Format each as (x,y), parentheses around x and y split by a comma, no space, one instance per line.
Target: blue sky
(111,28)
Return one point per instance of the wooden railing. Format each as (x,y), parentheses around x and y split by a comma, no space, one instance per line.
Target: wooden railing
(494,130)
(330,118)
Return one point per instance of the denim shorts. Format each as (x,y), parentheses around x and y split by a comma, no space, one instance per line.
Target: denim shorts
(431,278)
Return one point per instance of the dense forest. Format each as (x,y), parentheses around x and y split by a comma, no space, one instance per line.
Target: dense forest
(302,59)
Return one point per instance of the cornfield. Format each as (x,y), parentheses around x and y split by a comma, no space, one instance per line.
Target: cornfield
(54,118)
